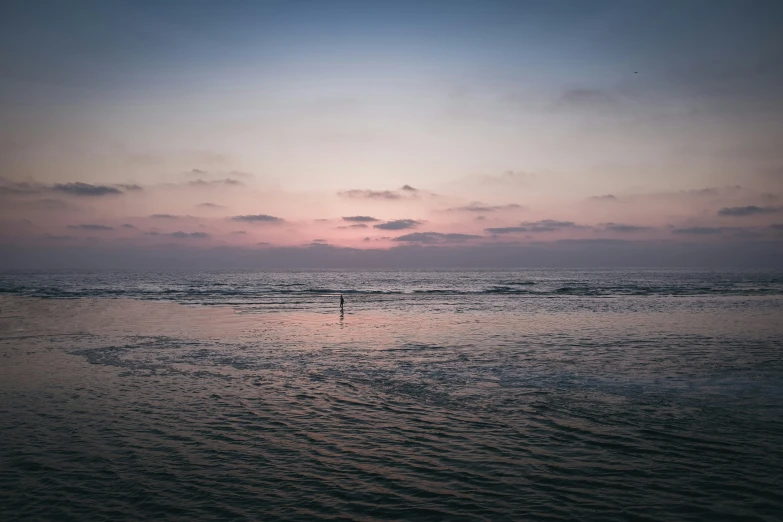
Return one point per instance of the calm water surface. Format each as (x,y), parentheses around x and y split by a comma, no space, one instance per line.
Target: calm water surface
(485,395)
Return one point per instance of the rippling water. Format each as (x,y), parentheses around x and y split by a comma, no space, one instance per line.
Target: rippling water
(489,395)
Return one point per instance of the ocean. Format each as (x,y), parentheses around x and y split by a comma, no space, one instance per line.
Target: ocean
(434,395)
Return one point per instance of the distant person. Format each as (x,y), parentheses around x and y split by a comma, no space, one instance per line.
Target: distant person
(342,301)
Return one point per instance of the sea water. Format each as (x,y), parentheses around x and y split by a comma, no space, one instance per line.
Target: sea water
(434,395)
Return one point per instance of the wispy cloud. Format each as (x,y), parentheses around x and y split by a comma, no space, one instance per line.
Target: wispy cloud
(258,218)
(595,241)
(605,197)
(189,235)
(505,230)
(750,210)
(129,187)
(544,225)
(91,227)
(434,237)
(398,224)
(477,206)
(712,191)
(165,216)
(224,181)
(20,187)
(700,231)
(370,194)
(203,175)
(355,225)
(360,219)
(621,227)
(549,225)
(209,205)
(179,234)
(86,189)
(74,189)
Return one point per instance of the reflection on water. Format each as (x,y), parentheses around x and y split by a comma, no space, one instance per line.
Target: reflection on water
(655,408)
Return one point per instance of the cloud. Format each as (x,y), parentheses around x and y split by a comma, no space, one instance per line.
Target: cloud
(620,227)
(355,225)
(360,219)
(701,231)
(127,225)
(776,226)
(85,189)
(434,237)
(209,205)
(477,206)
(605,197)
(164,216)
(505,230)
(189,235)
(750,210)
(398,224)
(20,187)
(712,191)
(179,234)
(408,188)
(75,189)
(201,174)
(258,218)
(239,232)
(549,225)
(370,194)
(224,181)
(746,253)
(91,227)
(598,241)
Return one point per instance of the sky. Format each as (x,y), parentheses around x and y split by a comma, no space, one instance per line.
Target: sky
(273,134)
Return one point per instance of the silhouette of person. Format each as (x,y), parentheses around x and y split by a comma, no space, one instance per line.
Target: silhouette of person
(342,301)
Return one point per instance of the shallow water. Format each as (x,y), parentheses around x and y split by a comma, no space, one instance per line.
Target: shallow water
(434,396)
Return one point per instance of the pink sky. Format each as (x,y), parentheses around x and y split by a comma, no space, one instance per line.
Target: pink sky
(154,127)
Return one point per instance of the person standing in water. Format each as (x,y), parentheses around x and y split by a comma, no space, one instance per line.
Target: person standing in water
(342,301)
